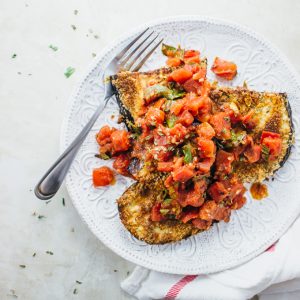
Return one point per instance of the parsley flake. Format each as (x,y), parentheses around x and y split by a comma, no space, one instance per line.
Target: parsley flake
(63,202)
(69,71)
(22,266)
(14,55)
(54,48)
(49,252)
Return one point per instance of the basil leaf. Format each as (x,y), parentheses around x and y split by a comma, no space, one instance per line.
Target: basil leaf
(164,211)
(187,151)
(175,94)
(168,50)
(156,91)
(104,156)
(237,137)
(171,121)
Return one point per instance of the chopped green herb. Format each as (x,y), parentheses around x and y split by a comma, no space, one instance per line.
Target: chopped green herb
(79,282)
(157,90)
(265,152)
(75,12)
(69,71)
(171,121)
(187,151)
(164,211)
(75,291)
(34,254)
(94,54)
(73,27)
(96,36)
(54,48)
(168,50)
(63,202)
(237,137)
(41,217)
(49,252)
(115,271)
(14,55)
(22,266)
(167,201)
(104,156)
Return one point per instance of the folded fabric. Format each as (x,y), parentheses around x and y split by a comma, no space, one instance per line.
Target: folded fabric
(274,274)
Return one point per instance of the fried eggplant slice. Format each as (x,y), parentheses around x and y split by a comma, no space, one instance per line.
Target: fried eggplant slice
(135,212)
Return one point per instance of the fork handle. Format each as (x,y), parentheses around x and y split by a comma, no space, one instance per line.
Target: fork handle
(54,177)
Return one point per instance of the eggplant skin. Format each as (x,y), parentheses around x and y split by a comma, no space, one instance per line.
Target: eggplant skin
(135,213)
(273,112)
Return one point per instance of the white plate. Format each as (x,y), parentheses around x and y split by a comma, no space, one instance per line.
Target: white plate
(253,228)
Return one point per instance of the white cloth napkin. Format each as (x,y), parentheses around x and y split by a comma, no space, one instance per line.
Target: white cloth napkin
(273,275)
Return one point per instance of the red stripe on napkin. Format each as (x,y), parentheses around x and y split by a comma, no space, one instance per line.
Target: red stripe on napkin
(178,286)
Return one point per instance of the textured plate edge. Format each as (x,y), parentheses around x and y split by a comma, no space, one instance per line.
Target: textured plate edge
(125,254)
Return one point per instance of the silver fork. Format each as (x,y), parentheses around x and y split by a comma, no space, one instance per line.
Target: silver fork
(127,59)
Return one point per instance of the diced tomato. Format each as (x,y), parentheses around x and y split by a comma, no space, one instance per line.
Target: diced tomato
(121,164)
(177,107)
(161,153)
(194,68)
(102,176)
(154,116)
(185,118)
(169,181)
(173,62)
(217,191)
(178,133)
(193,104)
(120,140)
(205,130)
(192,60)
(252,153)
(191,53)
(248,120)
(183,174)
(205,88)
(274,145)
(201,224)
(205,164)
(223,162)
(238,202)
(193,86)
(221,124)
(223,68)
(200,75)
(103,136)
(211,211)
(193,197)
(159,103)
(156,215)
(207,147)
(192,213)
(271,134)
(181,75)
(165,166)
(234,187)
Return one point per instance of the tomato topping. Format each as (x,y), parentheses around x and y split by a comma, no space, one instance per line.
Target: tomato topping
(217,191)
(193,86)
(211,211)
(178,133)
(102,176)
(238,202)
(205,131)
(205,165)
(161,153)
(207,147)
(177,107)
(191,53)
(165,166)
(120,140)
(252,153)
(156,215)
(271,134)
(200,75)
(194,68)
(193,197)
(274,145)
(173,61)
(185,118)
(121,164)
(248,120)
(159,103)
(192,213)
(223,162)
(183,174)
(223,68)
(221,124)
(154,116)
(181,75)
(103,136)
(201,224)
(169,181)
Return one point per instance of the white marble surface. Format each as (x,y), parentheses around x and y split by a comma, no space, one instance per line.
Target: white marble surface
(33,93)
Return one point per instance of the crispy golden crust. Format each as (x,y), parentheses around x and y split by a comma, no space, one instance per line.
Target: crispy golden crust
(272,113)
(135,210)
